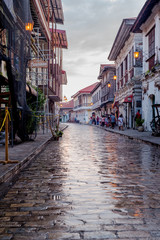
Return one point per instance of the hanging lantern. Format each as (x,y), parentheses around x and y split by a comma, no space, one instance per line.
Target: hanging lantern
(65,98)
(109,85)
(29,27)
(115,77)
(136,54)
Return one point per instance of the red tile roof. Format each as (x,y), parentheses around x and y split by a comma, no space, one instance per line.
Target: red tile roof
(86,89)
(69,104)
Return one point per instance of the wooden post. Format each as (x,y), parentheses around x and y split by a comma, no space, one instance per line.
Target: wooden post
(6,135)
(6,140)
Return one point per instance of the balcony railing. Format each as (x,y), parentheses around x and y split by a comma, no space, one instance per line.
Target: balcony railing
(83,105)
(121,82)
(151,62)
(131,72)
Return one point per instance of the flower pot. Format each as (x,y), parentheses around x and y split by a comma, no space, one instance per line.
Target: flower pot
(140,129)
(56,138)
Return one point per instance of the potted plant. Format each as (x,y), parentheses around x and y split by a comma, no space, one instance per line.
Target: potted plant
(60,133)
(57,133)
(139,124)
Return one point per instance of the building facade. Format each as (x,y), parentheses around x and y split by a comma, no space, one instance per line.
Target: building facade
(66,111)
(106,77)
(82,110)
(30,59)
(128,95)
(96,100)
(148,22)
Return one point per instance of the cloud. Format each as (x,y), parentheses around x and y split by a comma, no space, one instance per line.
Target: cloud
(91,28)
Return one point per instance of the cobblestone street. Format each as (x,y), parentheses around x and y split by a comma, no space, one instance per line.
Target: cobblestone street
(91,184)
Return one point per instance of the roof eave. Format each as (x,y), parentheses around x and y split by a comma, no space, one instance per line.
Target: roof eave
(144,14)
(119,41)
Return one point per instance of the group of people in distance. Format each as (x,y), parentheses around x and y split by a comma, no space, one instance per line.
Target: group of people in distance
(108,121)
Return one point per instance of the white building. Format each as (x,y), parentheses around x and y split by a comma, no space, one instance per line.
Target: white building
(83,104)
(128,94)
(148,22)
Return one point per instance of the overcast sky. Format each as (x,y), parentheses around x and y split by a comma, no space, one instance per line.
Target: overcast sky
(91,27)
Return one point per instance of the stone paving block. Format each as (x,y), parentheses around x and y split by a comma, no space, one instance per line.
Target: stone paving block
(117,227)
(6,237)
(63,236)
(29,237)
(9,224)
(14,214)
(133,234)
(99,235)
(129,221)
(148,227)
(39,224)
(21,205)
(2,230)
(155,233)
(5,219)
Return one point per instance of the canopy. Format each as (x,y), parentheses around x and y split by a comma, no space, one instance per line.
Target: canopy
(61,38)
(128,99)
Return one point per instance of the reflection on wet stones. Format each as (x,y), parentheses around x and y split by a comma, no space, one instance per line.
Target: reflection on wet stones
(92,184)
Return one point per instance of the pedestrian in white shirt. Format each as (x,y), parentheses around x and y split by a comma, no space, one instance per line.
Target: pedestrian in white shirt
(120,122)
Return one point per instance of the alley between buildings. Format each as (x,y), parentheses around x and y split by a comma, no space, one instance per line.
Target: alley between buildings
(91,184)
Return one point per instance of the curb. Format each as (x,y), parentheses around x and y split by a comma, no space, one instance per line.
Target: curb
(9,177)
(131,137)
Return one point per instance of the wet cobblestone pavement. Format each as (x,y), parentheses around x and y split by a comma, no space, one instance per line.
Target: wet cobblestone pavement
(91,184)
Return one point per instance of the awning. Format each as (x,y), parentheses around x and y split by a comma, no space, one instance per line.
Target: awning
(102,105)
(128,99)
(115,104)
(60,38)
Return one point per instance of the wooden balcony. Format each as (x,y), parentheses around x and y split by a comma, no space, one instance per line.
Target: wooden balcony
(131,73)
(121,81)
(126,78)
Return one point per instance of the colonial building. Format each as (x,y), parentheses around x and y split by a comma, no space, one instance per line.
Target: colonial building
(83,104)
(106,77)
(148,22)
(30,56)
(45,67)
(96,100)
(66,110)
(128,95)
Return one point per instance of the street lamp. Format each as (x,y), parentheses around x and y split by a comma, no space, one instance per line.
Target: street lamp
(109,84)
(115,77)
(29,26)
(136,54)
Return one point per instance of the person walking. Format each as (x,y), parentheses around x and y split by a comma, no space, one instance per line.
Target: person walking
(138,115)
(113,120)
(97,120)
(103,121)
(106,121)
(120,122)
